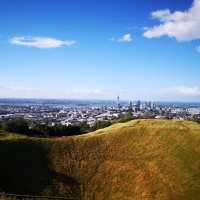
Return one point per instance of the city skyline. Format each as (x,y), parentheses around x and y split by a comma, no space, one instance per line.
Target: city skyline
(100,49)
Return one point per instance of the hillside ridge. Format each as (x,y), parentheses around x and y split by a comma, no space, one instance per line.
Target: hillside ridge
(136,160)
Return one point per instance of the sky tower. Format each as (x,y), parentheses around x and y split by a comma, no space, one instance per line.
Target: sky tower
(118,103)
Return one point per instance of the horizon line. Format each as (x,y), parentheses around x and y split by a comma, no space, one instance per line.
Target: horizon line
(82,99)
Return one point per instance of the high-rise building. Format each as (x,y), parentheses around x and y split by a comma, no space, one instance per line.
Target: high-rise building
(130,106)
(138,106)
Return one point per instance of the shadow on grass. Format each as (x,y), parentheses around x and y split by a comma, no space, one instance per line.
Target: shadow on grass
(26,169)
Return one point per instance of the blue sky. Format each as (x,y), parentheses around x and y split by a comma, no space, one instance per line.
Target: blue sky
(89,49)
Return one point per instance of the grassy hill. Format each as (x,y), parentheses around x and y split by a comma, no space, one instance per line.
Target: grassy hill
(137,160)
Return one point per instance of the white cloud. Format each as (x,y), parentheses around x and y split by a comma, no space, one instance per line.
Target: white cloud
(18,91)
(41,42)
(161,14)
(125,38)
(182,25)
(183,91)
(15,88)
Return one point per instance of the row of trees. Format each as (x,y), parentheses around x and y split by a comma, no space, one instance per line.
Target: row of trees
(31,128)
(22,126)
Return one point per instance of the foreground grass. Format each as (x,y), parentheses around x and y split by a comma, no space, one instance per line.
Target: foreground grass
(137,160)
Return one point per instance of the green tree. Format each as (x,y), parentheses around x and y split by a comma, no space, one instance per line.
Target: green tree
(17,125)
(84,127)
(100,124)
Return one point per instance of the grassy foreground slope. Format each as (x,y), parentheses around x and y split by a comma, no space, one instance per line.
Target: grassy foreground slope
(137,160)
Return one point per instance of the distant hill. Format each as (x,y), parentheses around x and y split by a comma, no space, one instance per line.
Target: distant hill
(137,160)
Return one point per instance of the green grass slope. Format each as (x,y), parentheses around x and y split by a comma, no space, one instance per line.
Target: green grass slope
(137,160)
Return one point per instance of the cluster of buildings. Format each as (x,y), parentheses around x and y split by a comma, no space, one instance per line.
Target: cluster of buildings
(90,114)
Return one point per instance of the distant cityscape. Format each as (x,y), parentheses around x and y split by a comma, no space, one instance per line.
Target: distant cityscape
(74,112)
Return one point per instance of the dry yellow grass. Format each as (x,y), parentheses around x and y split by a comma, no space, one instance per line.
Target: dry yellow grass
(137,160)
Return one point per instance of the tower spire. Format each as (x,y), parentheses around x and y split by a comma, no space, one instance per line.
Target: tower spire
(118,101)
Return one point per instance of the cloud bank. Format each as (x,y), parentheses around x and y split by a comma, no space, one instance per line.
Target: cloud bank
(12,91)
(41,42)
(181,25)
(183,91)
